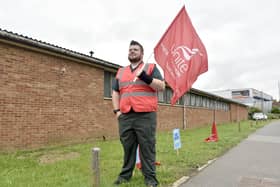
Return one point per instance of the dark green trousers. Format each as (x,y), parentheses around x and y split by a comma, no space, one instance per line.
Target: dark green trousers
(138,128)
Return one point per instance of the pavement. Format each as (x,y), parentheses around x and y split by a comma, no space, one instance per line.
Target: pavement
(255,162)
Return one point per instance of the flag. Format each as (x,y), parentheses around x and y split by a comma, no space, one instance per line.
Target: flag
(181,54)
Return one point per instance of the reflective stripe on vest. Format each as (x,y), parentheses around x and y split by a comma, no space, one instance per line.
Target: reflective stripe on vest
(138,94)
(137,82)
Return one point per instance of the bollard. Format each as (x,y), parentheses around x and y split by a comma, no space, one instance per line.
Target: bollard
(95,166)
(239,127)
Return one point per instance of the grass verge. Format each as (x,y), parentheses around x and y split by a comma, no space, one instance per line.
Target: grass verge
(70,166)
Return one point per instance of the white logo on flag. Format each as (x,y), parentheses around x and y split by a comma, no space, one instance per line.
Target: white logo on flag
(181,56)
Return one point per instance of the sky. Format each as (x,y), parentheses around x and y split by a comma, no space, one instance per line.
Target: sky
(241,37)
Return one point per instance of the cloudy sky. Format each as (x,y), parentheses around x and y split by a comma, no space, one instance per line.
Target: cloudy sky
(242,38)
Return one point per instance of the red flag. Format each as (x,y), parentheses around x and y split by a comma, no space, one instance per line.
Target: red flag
(181,54)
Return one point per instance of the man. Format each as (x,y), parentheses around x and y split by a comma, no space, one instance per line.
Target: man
(134,100)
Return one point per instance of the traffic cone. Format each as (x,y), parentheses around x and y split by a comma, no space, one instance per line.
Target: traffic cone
(138,160)
(214,135)
(157,163)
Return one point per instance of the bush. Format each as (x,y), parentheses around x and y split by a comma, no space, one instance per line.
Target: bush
(275,110)
(273,116)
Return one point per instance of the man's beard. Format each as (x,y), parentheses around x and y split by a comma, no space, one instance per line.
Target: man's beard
(133,60)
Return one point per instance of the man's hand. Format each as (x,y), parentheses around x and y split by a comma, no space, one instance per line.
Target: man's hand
(118,114)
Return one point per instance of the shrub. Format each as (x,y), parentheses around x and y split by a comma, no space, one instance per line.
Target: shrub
(275,110)
(273,116)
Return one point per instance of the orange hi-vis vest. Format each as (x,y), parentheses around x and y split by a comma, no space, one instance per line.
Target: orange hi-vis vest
(136,95)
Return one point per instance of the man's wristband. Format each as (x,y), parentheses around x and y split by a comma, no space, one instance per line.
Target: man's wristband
(146,78)
(116,110)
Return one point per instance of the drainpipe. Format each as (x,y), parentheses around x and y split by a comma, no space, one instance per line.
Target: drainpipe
(184,113)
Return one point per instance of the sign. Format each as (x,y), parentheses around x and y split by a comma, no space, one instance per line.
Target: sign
(176,139)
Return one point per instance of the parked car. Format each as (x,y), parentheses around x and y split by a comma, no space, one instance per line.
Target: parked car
(259,116)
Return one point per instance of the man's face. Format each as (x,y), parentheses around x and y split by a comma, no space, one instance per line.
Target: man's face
(135,54)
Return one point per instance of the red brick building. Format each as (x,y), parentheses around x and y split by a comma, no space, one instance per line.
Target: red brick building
(51,95)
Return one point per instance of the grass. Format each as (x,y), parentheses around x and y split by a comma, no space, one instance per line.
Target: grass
(71,165)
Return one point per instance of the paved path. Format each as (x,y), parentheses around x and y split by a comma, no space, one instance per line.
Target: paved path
(255,162)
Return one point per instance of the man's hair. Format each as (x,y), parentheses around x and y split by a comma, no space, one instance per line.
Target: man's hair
(133,42)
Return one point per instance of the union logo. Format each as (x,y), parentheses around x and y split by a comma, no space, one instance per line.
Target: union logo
(181,56)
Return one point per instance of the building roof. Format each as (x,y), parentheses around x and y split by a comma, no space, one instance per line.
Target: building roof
(14,37)
(28,41)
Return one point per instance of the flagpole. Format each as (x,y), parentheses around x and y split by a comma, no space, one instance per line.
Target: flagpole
(149,57)
(279,91)
(144,64)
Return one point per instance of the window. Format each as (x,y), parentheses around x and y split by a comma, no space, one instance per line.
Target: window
(192,100)
(204,102)
(168,94)
(161,97)
(226,107)
(212,104)
(208,103)
(188,99)
(241,93)
(108,79)
(198,101)
(216,105)
(219,105)
(181,100)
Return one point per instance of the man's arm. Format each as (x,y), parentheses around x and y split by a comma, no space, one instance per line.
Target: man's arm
(155,80)
(116,97)
(116,102)
(157,84)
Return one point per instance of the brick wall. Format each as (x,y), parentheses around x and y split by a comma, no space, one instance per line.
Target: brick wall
(238,113)
(46,99)
(172,117)
(42,105)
